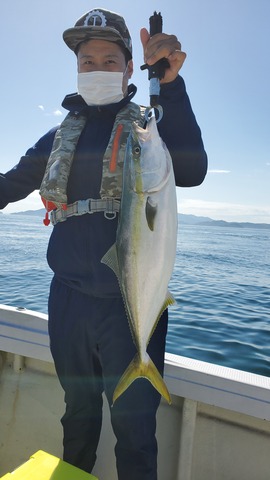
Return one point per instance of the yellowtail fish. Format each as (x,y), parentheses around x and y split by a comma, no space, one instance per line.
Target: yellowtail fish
(144,253)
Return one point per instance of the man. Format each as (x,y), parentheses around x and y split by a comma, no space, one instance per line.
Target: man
(89,334)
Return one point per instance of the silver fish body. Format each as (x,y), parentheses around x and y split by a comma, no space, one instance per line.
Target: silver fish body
(144,253)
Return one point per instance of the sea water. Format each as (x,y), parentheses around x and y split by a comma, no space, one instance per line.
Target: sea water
(220,282)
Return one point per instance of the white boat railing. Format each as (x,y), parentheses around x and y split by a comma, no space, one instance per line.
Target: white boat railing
(239,396)
(25,333)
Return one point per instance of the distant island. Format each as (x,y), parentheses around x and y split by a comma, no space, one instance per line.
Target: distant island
(185,219)
(209,222)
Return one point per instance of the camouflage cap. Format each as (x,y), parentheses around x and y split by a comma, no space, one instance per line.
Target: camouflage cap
(99,24)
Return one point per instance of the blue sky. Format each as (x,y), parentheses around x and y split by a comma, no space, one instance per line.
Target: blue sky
(227,74)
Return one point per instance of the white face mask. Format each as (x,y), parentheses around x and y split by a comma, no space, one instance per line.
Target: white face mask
(100,88)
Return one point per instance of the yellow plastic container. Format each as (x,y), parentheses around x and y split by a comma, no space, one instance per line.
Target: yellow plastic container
(43,466)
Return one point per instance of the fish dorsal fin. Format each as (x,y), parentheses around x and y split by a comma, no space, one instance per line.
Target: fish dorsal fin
(150,213)
(110,259)
(169,300)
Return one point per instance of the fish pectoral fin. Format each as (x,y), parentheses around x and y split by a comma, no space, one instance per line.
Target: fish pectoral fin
(150,213)
(139,369)
(110,259)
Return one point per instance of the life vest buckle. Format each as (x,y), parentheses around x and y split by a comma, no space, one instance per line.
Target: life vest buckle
(110,207)
(83,207)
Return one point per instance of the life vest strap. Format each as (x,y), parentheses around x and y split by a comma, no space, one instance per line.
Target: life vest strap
(110,207)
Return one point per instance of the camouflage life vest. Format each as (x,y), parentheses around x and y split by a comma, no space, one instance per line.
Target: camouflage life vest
(53,189)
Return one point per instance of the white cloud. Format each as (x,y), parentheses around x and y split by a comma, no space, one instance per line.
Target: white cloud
(218,171)
(32,202)
(57,113)
(54,113)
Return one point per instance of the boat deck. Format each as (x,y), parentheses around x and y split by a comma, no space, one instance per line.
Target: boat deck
(216,428)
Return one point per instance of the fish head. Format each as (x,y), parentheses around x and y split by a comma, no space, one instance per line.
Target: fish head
(148,158)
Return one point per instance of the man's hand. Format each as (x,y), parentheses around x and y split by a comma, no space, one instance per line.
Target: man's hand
(160,46)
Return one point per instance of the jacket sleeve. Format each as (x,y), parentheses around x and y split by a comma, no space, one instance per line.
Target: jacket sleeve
(182,135)
(27,175)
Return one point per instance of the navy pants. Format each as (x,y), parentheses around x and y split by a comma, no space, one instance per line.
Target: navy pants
(92,345)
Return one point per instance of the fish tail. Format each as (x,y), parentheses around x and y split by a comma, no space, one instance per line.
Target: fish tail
(140,369)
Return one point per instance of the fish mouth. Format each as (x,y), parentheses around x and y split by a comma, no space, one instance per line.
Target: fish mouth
(135,133)
(142,134)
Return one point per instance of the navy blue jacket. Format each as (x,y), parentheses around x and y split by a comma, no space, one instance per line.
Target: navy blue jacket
(77,245)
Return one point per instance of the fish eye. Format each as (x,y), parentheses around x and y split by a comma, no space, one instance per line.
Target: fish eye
(137,150)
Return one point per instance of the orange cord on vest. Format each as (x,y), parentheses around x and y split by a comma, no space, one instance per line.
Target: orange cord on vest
(49,207)
(115,148)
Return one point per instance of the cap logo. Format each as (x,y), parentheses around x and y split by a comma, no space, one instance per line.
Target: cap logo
(95,19)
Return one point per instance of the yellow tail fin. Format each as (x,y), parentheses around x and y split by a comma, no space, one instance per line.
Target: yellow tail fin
(136,369)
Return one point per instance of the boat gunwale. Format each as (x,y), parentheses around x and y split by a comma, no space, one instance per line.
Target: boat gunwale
(25,332)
